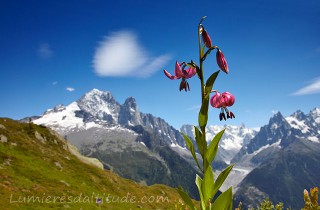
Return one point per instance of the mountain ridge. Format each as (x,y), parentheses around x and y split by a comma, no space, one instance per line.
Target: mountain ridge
(284,156)
(133,144)
(280,132)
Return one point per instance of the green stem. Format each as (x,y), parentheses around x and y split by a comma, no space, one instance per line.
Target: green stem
(208,52)
(203,129)
(201,66)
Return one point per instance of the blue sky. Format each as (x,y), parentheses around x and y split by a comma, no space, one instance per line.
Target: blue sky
(52,52)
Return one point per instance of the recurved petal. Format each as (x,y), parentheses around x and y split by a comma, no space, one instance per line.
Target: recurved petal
(228,98)
(217,100)
(178,71)
(169,75)
(190,72)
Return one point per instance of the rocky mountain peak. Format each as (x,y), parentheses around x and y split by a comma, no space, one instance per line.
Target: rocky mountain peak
(59,107)
(97,96)
(129,114)
(131,103)
(315,114)
(276,118)
(99,104)
(299,115)
(277,121)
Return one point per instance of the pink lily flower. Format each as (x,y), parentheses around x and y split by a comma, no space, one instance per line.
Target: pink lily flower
(222,101)
(221,60)
(182,74)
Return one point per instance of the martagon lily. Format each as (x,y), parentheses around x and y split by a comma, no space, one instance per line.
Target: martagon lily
(206,184)
(222,100)
(181,73)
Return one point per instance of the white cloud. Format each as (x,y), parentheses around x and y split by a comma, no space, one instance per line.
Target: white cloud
(120,54)
(45,50)
(55,82)
(312,88)
(70,89)
(195,107)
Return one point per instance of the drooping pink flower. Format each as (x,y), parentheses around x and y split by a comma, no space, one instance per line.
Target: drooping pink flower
(222,101)
(216,100)
(206,38)
(221,61)
(180,73)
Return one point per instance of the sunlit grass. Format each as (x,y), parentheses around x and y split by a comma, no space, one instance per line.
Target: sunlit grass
(37,175)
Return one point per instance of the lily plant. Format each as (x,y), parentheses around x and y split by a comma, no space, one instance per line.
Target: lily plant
(207,185)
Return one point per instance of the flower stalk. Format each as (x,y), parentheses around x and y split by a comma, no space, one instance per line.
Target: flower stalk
(205,182)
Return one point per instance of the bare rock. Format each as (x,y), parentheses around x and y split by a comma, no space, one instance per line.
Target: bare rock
(39,137)
(3,138)
(58,165)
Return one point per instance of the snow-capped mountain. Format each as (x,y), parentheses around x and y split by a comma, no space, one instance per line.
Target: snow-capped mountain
(133,144)
(285,157)
(279,133)
(99,109)
(307,125)
(232,140)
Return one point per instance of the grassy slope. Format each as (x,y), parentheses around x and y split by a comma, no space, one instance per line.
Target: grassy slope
(30,167)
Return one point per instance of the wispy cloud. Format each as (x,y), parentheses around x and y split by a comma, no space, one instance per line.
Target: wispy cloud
(55,83)
(45,51)
(70,89)
(120,54)
(195,107)
(312,88)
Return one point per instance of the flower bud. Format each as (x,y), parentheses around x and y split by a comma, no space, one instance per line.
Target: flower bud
(206,38)
(221,61)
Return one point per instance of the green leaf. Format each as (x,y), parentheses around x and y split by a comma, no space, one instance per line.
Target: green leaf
(201,143)
(224,201)
(213,147)
(203,114)
(221,178)
(187,200)
(202,119)
(210,82)
(191,148)
(208,185)
(199,185)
